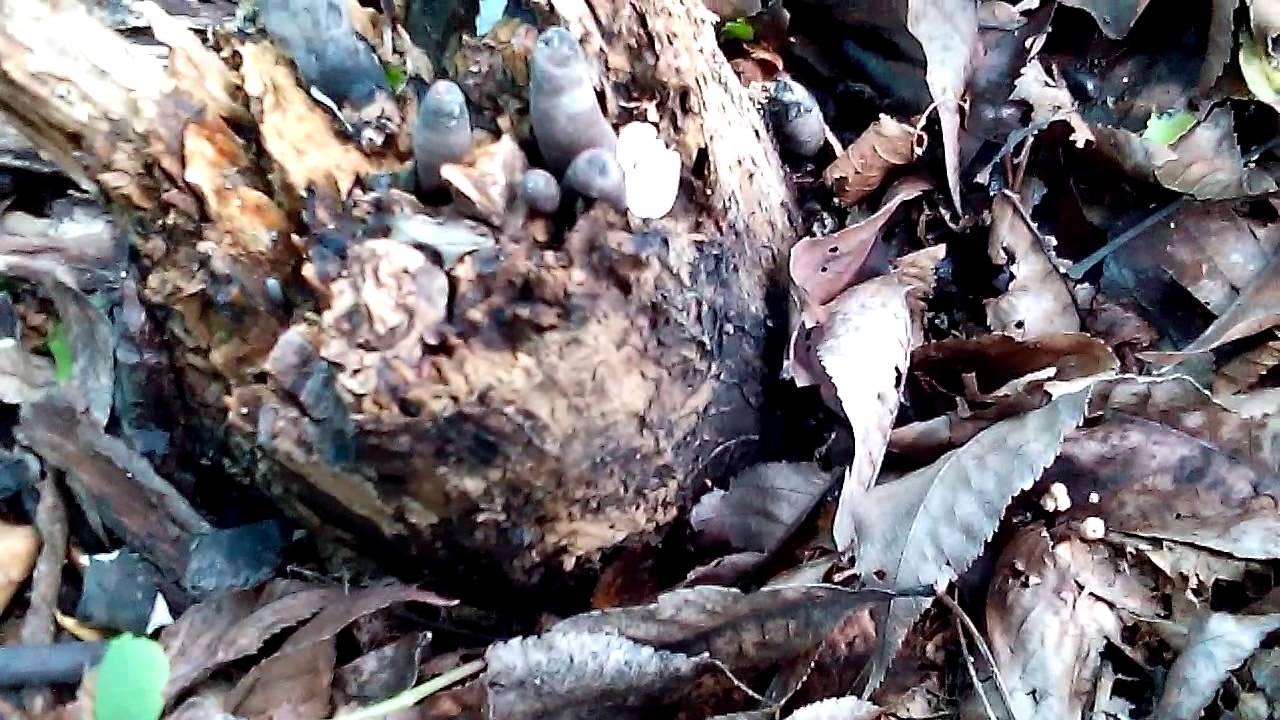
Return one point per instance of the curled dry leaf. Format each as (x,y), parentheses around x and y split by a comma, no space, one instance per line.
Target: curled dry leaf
(991,378)
(948,32)
(763,506)
(568,675)
(1218,643)
(883,146)
(1060,595)
(740,630)
(1050,100)
(1038,302)
(486,184)
(1156,482)
(928,526)
(825,267)
(1205,163)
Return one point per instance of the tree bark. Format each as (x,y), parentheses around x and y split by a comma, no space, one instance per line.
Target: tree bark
(580,390)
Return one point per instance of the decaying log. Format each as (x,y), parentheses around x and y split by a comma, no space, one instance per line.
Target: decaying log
(572,394)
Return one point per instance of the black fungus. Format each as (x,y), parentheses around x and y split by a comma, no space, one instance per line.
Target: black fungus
(233,558)
(540,191)
(319,38)
(595,173)
(563,109)
(442,133)
(796,117)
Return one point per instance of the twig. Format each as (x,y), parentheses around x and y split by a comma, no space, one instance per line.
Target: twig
(39,665)
(46,580)
(983,648)
(973,672)
(1080,268)
(415,695)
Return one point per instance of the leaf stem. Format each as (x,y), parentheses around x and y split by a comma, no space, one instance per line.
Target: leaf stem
(414,695)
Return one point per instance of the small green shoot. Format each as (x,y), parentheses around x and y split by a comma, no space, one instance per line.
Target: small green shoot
(130,680)
(396,77)
(1165,128)
(738,29)
(59,346)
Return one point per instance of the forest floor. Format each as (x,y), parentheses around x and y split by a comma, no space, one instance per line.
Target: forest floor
(1020,448)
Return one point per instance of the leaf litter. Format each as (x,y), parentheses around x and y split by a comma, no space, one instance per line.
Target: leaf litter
(1041,301)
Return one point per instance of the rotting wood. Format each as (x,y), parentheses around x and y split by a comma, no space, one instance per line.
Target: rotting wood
(582,391)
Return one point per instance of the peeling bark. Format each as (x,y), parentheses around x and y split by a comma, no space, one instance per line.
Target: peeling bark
(577,391)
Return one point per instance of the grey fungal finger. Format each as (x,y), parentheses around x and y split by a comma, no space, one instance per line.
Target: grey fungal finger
(796,118)
(565,114)
(320,39)
(595,173)
(540,191)
(442,133)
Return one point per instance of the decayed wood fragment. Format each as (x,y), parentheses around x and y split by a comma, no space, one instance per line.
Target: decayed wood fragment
(569,398)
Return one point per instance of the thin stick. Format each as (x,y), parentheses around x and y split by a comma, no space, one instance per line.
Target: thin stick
(415,695)
(973,672)
(983,648)
(1079,269)
(46,581)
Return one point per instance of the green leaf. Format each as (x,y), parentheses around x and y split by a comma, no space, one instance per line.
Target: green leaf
(1166,128)
(738,30)
(1262,77)
(130,681)
(60,349)
(396,77)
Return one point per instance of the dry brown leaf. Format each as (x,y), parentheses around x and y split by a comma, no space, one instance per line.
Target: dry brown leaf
(1050,100)
(288,685)
(19,545)
(1245,370)
(1259,404)
(928,527)
(883,146)
(1181,404)
(1115,17)
(570,675)
(1060,594)
(234,625)
(1218,644)
(1257,309)
(763,506)
(1156,482)
(1038,302)
(487,183)
(1220,44)
(948,32)
(24,376)
(1207,248)
(824,267)
(741,630)
(865,349)
(383,671)
(1205,163)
